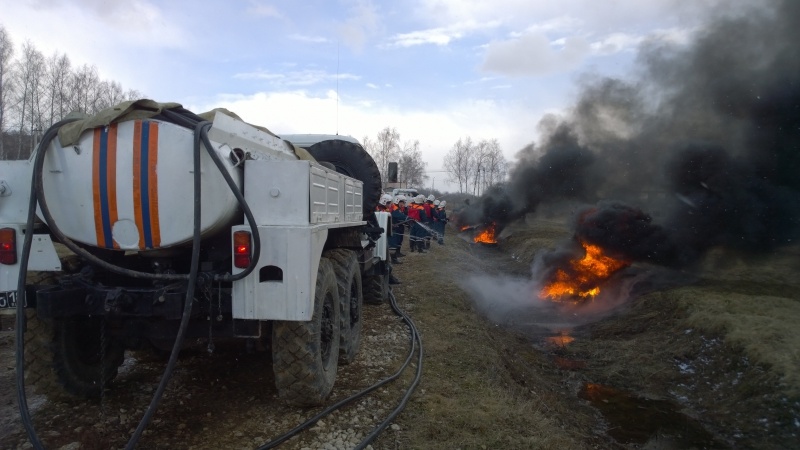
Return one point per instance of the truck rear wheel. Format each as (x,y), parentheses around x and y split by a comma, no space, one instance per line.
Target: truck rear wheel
(351,299)
(39,373)
(376,289)
(84,357)
(305,354)
(376,286)
(352,160)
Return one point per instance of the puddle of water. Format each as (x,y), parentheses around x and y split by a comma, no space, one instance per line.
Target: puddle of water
(635,420)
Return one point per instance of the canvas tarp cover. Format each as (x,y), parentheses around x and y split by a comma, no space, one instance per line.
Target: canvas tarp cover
(70,133)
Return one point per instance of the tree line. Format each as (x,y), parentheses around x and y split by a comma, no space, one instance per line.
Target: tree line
(387,147)
(475,166)
(37,91)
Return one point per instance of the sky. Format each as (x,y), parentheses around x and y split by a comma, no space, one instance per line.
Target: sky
(436,70)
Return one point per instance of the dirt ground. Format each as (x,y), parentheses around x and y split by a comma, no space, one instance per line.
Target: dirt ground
(642,367)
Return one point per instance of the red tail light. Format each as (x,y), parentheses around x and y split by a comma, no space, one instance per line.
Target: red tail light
(242,249)
(8,246)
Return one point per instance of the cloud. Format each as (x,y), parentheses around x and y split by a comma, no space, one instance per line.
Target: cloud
(299,111)
(309,39)
(440,35)
(372,86)
(262,9)
(363,24)
(534,54)
(50,25)
(307,77)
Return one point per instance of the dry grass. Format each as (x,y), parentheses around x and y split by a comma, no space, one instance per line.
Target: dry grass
(485,387)
(481,386)
(764,327)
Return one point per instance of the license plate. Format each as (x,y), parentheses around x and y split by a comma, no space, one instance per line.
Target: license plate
(8,300)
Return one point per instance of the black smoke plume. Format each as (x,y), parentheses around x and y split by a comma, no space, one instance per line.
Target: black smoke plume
(706,138)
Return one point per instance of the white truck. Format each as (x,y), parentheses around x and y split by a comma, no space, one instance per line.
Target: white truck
(173,225)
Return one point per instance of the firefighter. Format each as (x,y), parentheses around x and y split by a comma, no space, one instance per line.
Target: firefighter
(442,221)
(399,221)
(437,224)
(383,203)
(383,206)
(417,212)
(429,212)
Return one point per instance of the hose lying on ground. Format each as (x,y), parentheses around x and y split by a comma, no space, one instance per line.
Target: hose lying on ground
(416,340)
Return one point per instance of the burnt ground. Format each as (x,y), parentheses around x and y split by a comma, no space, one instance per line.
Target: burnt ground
(501,369)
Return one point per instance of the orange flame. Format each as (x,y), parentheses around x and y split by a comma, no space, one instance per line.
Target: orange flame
(560,340)
(487,235)
(464,228)
(585,276)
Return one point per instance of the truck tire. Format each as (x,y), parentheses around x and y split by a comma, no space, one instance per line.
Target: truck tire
(39,373)
(305,354)
(376,289)
(376,286)
(85,360)
(65,355)
(351,299)
(352,160)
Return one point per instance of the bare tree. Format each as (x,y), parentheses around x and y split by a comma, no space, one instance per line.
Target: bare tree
(56,84)
(411,167)
(36,91)
(83,88)
(29,81)
(478,170)
(459,163)
(114,93)
(489,165)
(6,52)
(384,149)
(132,94)
(494,164)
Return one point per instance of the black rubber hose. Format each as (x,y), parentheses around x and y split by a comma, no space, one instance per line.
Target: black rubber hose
(37,193)
(414,335)
(294,431)
(247,212)
(201,127)
(188,119)
(187,307)
(51,223)
(21,300)
(415,339)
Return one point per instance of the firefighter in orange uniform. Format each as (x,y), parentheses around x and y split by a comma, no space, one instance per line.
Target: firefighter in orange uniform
(417,212)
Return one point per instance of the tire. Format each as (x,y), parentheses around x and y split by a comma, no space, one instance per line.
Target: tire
(351,299)
(39,373)
(376,287)
(85,361)
(38,338)
(305,354)
(352,160)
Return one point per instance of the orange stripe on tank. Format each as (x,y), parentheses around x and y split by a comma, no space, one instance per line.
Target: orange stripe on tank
(152,185)
(137,180)
(96,200)
(112,177)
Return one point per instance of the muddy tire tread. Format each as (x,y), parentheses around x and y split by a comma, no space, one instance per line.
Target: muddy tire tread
(301,376)
(345,266)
